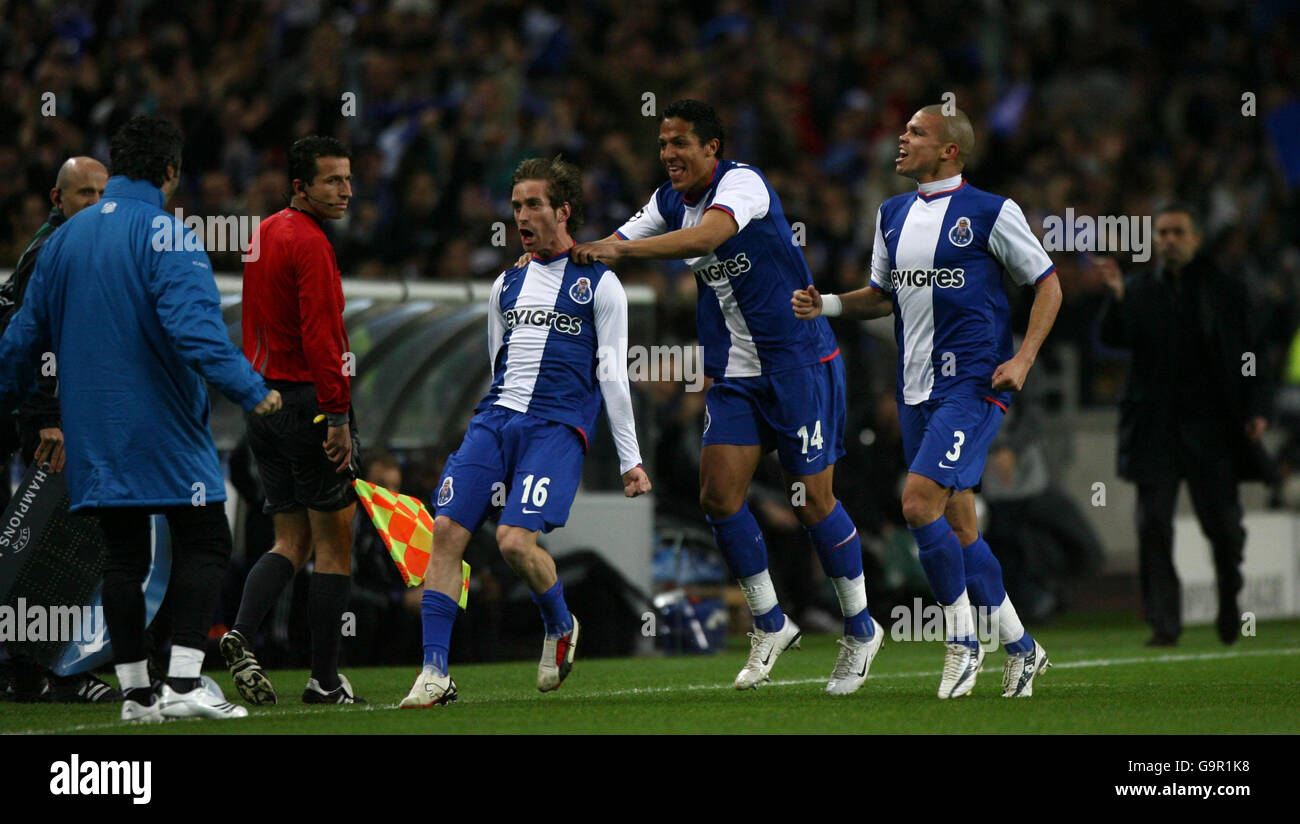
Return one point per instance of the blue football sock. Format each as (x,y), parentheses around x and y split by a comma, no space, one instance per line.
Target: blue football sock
(555,613)
(741,543)
(941,558)
(984,584)
(437,614)
(836,540)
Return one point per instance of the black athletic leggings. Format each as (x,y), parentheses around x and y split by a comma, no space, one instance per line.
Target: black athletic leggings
(200,552)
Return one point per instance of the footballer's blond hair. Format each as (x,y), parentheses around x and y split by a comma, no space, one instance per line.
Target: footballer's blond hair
(955,128)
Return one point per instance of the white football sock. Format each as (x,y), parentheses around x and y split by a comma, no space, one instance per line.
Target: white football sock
(187,662)
(960,619)
(759,592)
(852,593)
(132,676)
(1010,630)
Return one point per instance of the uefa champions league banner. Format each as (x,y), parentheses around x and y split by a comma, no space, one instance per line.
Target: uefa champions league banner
(52,560)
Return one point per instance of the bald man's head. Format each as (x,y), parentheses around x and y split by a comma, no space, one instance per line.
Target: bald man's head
(80,183)
(953,128)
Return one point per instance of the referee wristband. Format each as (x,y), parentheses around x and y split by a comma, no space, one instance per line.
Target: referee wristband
(832,306)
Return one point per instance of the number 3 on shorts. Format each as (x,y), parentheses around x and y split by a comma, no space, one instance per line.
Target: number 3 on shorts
(959,438)
(816,439)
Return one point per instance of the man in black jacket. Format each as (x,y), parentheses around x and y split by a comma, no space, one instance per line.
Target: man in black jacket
(36,428)
(1192,409)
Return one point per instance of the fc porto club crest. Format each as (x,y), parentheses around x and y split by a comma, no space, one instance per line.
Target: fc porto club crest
(580,291)
(445,492)
(961,234)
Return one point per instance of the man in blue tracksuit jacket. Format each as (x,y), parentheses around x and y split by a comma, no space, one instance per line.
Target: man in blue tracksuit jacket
(132,326)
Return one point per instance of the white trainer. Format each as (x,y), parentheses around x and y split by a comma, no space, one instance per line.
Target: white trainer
(133,712)
(197,703)
(960,666)
(764,649)
(557,658)
(853,661)
(430,690)
(1020,670)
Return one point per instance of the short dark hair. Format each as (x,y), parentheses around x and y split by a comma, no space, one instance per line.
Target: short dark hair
(703,119)
(563,185)
(143,149)
(1185,208)
(305,150)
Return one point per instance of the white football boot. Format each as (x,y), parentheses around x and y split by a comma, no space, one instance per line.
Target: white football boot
(853,661)
(133,712)
(1020,670)
(557,658)
(960,666)
(430,690)
(764,649)
(197,703)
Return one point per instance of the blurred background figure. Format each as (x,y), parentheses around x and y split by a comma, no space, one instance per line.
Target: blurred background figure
(1190,412)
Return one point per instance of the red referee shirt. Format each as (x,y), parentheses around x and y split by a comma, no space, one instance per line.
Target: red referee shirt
(293,309)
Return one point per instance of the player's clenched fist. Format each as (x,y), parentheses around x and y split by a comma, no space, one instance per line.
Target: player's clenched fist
(1010,376)
(635,482)
(270,404)
(807,303)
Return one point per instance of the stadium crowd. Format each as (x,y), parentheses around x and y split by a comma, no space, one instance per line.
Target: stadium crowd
(1109,110)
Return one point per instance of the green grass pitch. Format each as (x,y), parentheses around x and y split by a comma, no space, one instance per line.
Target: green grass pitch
(1103,681)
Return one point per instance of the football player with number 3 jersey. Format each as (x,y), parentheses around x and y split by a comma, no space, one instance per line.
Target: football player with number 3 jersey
(937,265)
(556,329)
(778,382)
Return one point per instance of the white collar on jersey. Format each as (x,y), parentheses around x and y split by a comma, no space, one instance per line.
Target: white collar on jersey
(939,185)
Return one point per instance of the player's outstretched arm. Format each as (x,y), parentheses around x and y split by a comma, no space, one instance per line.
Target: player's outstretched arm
(697,241)
(861,304)
(1010,376)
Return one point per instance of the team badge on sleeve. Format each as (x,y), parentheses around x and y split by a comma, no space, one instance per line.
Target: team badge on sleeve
(960,234)
(580,291)
(446,492)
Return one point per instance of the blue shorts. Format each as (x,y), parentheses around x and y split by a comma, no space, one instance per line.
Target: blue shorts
(798,412)
(528,466)
(947,440)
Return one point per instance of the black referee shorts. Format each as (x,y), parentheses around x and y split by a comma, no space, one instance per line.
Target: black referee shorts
(291,459)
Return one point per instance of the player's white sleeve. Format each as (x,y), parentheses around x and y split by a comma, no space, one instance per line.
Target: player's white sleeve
(496,322)
(1014,246)
(880,258)
(610,305)
(742,195)
(647,222)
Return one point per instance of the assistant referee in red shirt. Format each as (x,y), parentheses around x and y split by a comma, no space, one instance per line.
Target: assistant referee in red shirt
(294,336)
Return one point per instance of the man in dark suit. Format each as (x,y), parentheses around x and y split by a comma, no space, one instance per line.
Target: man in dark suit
(1192,409)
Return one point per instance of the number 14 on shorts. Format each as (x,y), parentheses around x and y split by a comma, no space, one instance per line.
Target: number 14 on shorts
(815,440)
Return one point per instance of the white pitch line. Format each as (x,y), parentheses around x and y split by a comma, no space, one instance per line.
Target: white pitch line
(1098,662)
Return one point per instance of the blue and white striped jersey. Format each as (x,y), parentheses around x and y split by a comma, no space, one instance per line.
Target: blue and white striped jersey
(940,252)
(552,325)
(743,312)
